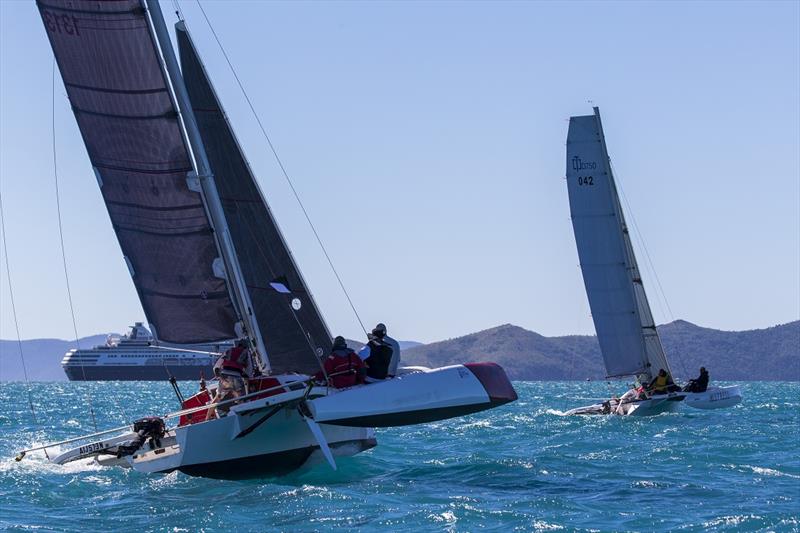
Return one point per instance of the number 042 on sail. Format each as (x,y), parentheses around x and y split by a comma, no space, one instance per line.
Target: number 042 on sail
(204,253)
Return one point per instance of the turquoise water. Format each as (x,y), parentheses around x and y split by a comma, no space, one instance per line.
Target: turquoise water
(520,467)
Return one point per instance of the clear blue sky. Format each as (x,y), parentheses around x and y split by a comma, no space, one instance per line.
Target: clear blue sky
(427,141)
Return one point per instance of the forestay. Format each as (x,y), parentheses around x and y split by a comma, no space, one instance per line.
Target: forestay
(293,337)
(111,69)
(622,317)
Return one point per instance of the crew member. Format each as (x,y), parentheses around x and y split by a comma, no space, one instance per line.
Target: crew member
(343,366)
(700,384)
(381,354)
(661,384)
(232,369)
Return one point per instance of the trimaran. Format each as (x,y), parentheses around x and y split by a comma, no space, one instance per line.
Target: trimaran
(209,263)
(626,331)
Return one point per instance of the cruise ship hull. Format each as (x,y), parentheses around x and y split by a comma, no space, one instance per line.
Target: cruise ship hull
(137,372)
(138,357)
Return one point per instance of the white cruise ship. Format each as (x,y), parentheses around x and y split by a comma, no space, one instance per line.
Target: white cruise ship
(136,356)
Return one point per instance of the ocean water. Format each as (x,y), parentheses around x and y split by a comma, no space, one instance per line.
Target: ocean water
(521,467)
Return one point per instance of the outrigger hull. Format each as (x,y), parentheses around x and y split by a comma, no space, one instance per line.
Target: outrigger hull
(714,398)
(417,396)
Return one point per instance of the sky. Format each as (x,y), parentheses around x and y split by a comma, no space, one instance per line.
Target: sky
(426,140)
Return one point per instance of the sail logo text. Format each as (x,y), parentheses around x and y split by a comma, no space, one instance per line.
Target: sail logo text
(577,164)
(61,23)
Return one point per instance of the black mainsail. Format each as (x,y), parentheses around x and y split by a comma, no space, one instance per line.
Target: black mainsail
(294,338)
(110,65)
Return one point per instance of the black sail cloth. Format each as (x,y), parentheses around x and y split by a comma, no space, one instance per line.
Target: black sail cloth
(111,69)
(294,338)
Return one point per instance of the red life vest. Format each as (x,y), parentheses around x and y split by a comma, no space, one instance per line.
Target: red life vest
(234,360)
(346,367)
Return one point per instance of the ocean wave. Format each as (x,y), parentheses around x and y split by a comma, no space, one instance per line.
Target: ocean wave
(522,467)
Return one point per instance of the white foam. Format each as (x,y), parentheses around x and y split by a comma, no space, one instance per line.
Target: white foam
(770,472)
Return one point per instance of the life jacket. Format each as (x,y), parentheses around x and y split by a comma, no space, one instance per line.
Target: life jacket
(661,383)
(346,367)
(380,355)
(234,359)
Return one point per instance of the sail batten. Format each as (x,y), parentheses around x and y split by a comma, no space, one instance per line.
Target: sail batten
(109,61)
(294,336)
(621,313)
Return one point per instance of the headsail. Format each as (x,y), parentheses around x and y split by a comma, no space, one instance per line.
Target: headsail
(622,317)
(109,61)
(294,338)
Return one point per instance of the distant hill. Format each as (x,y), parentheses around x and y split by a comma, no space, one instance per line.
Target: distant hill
(759,354)
(762,354)
(42,357)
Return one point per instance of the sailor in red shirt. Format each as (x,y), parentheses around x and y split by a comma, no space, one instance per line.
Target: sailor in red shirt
(232,369)
(343,366)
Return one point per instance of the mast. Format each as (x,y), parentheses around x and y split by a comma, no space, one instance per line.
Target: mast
(653,349)
(233,271)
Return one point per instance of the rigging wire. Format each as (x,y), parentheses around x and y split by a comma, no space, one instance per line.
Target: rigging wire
(639,234)
(651,266)
(61,238)
(282,167)
(178,10)
(14,314)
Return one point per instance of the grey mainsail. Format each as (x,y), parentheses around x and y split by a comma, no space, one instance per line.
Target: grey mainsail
(621,313)
(110,65)
(293,338)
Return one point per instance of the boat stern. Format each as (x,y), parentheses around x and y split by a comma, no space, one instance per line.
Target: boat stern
(495,381)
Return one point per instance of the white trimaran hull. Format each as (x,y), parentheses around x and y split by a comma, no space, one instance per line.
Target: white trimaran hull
(276,434)
(280,445)
(665,403)
(712,398)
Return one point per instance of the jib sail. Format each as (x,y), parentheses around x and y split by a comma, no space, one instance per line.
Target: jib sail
(293,330)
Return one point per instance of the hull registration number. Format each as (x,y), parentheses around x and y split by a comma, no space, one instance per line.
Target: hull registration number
(93,447)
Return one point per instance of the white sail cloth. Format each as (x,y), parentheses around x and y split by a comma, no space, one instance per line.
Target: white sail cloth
(622,317)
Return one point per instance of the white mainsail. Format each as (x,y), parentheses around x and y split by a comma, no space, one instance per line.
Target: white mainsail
(622,318)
